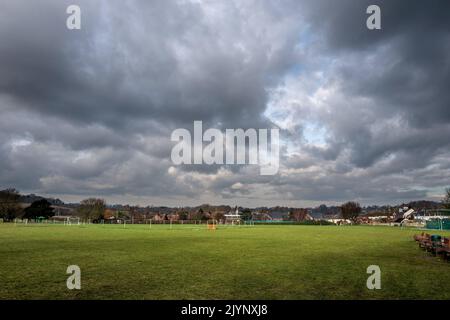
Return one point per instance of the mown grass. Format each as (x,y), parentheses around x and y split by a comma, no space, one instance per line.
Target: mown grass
(261,262)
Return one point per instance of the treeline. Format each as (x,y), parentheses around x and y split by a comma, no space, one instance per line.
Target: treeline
(96,209)
(11,208)
(293,222)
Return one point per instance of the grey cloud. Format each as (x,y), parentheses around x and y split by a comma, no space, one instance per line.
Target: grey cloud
(91,112)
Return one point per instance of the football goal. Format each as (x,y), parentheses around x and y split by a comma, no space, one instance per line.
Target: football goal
(72,221)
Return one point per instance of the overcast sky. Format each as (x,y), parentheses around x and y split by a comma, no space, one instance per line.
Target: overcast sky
(363,115)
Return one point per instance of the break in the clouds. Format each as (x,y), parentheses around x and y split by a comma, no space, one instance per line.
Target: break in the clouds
(364,114)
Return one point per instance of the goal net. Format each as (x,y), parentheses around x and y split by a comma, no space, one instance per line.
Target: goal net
(72,221)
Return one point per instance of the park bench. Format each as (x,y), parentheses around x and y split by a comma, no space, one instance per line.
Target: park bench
(434,242)
(444,248)
(425,241)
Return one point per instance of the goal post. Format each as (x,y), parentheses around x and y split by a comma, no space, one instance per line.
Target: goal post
(149,222)
(18,221)
(72,221)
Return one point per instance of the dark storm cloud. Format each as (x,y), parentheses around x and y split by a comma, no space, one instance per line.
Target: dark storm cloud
(400,72)
(90,112)
(343,22)
(134,60)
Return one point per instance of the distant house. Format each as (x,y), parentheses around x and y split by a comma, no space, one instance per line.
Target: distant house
(173,216)
(261,216)
(336,218)
(63,211)
(300,215)
(233,216)
(158,217)
(279,215)
(404,213)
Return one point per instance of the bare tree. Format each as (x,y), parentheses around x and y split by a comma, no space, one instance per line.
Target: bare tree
(92,208)
(446,200)
(351,210)
(298,214)
(9,204)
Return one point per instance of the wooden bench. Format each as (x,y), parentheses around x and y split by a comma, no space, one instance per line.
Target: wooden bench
(425,241)
(434,243)
(444,249)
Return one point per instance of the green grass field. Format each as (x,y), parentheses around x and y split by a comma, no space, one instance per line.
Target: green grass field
(261,262)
